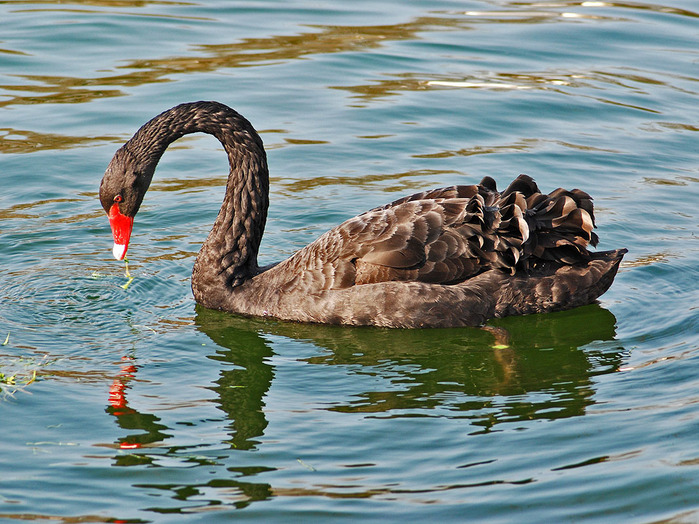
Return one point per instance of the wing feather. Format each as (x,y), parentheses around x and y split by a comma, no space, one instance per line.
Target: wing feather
(450,234)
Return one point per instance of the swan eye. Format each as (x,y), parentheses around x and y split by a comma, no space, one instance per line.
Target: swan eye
(118,199)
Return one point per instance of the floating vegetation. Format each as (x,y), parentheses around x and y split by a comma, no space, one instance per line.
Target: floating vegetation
(16,373)
(127,274)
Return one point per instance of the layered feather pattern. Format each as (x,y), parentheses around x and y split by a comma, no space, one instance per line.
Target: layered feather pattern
(451,234)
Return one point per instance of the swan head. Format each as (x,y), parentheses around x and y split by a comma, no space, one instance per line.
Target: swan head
(123,187)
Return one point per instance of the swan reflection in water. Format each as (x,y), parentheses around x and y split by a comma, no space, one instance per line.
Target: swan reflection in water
(543,370)
(469,371)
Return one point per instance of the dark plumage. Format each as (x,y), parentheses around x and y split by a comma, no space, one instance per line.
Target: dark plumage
(453,256)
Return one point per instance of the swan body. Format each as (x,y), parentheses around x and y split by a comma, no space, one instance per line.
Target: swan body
(454,256)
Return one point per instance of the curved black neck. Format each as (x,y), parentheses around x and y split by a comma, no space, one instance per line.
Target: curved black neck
(229,255)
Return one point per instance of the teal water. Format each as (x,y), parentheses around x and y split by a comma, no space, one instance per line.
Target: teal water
(137,405)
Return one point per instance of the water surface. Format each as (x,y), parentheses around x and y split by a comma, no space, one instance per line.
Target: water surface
(137,405)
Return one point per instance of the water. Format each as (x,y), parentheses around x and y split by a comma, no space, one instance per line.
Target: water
(144,407)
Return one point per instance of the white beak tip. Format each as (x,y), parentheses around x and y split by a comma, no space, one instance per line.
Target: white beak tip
(119,251)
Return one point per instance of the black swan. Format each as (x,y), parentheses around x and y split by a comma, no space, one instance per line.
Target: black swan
(454,256)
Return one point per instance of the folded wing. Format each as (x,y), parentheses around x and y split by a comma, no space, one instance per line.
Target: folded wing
(450,234)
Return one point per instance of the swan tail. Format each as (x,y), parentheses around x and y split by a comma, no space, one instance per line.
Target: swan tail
(554,287)
(556,227)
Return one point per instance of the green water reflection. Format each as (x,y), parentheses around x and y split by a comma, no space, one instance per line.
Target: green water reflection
(528,368)
(521,369)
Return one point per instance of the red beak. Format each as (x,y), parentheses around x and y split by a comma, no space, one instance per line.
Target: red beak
(121,230)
